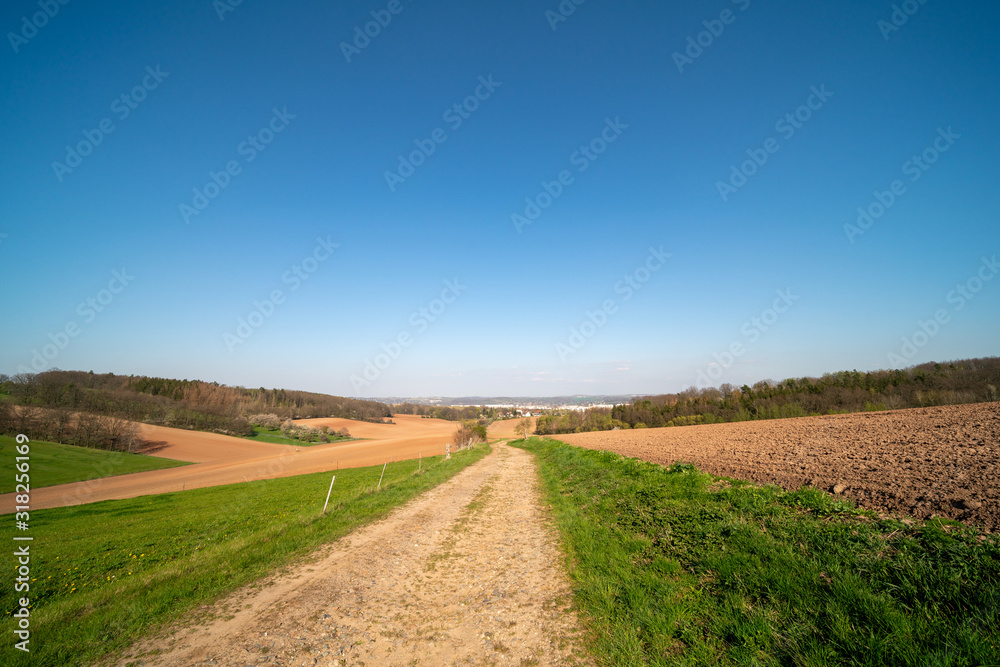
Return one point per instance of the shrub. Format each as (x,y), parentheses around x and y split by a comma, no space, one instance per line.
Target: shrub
(269,421)
(468,434)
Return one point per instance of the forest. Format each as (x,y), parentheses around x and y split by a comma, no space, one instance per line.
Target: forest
(449,412)
(95,410)
(48,400)
(948,383)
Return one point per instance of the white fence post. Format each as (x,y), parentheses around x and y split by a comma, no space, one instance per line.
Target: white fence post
(328,496)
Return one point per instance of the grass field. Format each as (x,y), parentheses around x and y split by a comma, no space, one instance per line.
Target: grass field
(53,464)
(675,567)
(105,573)
(274,437)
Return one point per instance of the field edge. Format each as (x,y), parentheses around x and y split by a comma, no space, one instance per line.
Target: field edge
(656,590)
(101,627)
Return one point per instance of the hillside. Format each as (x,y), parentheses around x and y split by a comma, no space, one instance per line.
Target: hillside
(189,404)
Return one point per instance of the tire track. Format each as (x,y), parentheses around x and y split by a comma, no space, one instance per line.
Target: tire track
(468,573)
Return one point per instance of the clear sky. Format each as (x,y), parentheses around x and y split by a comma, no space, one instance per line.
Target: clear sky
(495,189)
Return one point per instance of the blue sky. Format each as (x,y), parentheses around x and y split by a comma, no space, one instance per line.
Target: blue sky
(619,100)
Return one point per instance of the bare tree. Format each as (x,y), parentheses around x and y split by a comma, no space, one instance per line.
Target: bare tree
(118,434)
(7,418)
(24,386)
(524,428)
(87,430)
(63,420)
(27,419)
(463,437)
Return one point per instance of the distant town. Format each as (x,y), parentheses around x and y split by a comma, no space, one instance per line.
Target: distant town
(516,404)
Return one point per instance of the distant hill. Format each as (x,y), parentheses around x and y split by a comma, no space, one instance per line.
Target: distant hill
(578,400)
(191,404)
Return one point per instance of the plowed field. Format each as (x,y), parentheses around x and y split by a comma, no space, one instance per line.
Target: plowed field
(221,459)
(922,462)
(506,428)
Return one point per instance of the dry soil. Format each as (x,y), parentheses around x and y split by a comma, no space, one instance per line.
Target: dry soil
(222,459)
(920,462)
(469,573)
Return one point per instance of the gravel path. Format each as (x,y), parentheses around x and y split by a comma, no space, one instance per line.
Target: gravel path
(468,573)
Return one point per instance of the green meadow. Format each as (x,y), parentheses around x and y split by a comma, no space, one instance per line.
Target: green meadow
(274,437)
(104,574)
(671,566)
(53,463)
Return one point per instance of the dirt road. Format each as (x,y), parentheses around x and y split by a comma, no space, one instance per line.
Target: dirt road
(468,573)
(506,428)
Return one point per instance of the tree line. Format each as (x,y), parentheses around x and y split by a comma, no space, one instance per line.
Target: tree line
(82,429)
(949,383)
(452,413)
(189,404)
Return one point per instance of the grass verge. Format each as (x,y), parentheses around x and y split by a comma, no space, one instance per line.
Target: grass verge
(104,574)
(672,566)
(52,464)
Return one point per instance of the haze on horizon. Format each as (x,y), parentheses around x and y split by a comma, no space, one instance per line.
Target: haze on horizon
(390,198)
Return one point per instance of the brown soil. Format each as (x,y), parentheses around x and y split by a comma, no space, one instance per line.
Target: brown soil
(921,462)
(222,459)
(466,574)
(505,428)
